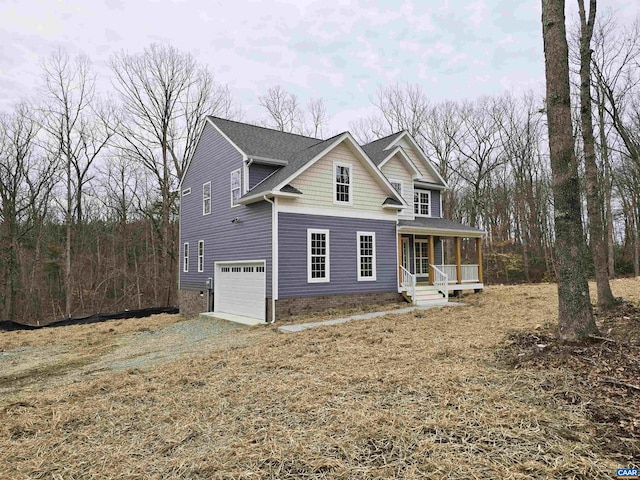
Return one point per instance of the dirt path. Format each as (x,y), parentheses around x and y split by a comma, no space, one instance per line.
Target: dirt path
(37,365)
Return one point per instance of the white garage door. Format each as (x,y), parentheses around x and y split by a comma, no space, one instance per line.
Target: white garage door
(240,289)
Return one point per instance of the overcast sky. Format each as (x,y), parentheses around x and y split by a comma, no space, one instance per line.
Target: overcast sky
(339,50)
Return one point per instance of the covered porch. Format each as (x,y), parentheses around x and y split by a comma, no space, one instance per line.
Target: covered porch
(442,259)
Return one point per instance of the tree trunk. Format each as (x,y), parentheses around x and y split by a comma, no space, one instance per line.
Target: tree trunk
(575,316)
(67,253)
(604,149)
(594,207)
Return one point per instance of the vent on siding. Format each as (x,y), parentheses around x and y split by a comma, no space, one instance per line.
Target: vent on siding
(186,192)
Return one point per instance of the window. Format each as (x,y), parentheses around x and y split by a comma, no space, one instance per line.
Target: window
(259,269)
(235,187)
(248,270)
(225,269)
(206,198)
(186,191)
(422,202)
(317,256)
(236,269)
(342,184)
(201,255)
(366,256)
(185,257)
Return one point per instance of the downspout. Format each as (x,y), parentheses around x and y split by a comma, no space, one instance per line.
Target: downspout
(274,255)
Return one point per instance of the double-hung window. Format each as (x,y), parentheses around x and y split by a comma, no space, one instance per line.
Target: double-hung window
(236,185)
(342,183)
(422,203)
(366,256)
(206,198)
(185,257)
(200,255)
(317,255)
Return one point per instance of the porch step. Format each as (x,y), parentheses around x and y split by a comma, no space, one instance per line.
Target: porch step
(432,303)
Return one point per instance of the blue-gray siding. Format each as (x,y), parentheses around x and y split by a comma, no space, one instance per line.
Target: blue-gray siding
(435,203)
(247,239)
(258,172)
(292,231)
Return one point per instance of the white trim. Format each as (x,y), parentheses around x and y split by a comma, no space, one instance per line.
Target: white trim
(203,198)
(336,164)
(200,256)
(185,257)
(186,191)
(372,166)
(441,194)
(231,189)
(275,253)
(358,269)
(338,212)
(441,251)
(421,154)
(269,161)
(406,157)
(441,231)
(245,176)
(327,277)
(419,191)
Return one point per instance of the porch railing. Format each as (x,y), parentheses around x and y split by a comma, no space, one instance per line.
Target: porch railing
(470,273)
(451,271)
(441,280)
(408,282)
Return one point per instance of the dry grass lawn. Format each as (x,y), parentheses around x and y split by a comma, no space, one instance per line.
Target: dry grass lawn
(418,395)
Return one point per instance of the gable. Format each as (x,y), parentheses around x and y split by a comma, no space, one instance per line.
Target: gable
(419,162)
(316,184)
(397,168)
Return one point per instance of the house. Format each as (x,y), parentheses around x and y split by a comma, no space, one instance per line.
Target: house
(282,224)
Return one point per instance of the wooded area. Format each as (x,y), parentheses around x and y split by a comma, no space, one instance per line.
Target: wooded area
(88,178)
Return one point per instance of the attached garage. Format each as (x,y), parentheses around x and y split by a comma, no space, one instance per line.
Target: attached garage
(240,289)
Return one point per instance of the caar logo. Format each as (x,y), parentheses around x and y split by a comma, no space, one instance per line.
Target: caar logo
(627,473)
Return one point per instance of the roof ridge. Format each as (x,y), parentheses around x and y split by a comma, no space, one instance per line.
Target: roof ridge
(382,138)
(295,154)
(264,128)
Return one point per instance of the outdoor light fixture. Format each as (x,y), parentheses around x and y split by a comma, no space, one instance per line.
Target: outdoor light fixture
(235,220)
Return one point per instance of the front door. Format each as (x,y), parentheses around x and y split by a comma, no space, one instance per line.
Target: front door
(406,254)
(422,257)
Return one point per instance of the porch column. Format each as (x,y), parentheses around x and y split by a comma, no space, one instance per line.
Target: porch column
(399,258)
(458,260)
(431,258)
(479,258)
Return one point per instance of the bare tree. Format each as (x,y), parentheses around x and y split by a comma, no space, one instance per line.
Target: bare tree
(165,95)
(26,181)
(594,205)
(283,109)
(318,113)
(575,317)
(76,133)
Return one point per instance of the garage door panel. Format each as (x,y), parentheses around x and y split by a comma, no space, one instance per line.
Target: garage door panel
(240,289)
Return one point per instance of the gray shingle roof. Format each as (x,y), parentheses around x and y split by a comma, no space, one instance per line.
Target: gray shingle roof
(263,142)
(295,162)
(438,224)
(392,201)
(376,149)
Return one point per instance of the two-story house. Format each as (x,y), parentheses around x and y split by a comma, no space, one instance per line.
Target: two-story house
(284,224)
